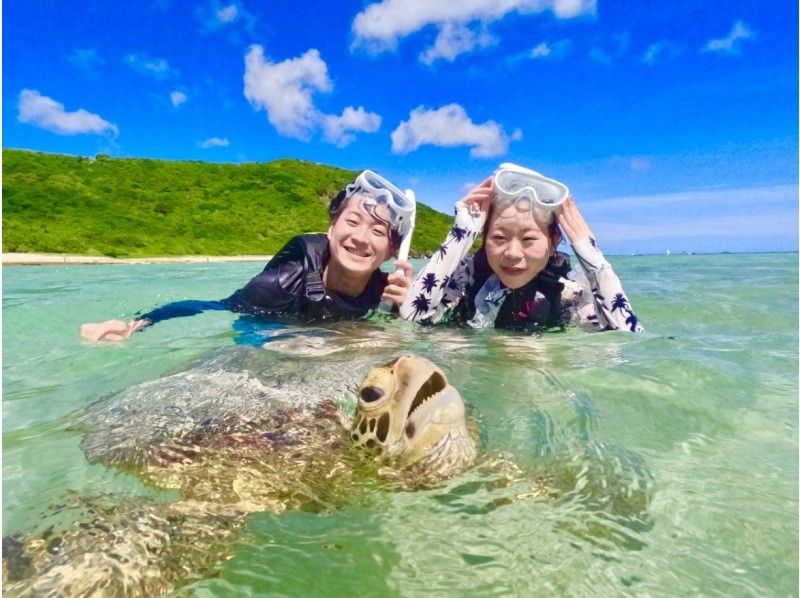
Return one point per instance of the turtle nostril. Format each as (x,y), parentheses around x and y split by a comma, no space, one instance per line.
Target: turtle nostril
(370,394)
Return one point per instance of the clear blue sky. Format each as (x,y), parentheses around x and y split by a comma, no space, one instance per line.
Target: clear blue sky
(675,124)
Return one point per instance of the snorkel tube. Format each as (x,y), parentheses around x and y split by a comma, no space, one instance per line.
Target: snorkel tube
(405,244)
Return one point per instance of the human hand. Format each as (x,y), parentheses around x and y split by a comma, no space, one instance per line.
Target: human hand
(572,222)
(110,330)
(398,283)
(480,198)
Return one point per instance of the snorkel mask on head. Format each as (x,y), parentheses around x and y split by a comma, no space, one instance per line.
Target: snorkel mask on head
(528,189)
(374,190)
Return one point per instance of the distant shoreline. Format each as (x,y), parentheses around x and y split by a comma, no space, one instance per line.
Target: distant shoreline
(54,259)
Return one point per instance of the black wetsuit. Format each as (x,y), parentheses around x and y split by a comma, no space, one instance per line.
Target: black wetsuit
(520,310)
(290,287)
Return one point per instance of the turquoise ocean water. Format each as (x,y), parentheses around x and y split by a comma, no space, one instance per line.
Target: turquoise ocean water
(705,403)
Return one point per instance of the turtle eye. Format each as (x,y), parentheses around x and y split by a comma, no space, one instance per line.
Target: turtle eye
(370,394)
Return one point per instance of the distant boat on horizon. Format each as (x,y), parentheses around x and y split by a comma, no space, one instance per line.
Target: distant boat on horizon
(667,252)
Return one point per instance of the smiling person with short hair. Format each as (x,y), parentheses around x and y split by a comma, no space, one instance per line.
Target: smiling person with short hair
(314,277)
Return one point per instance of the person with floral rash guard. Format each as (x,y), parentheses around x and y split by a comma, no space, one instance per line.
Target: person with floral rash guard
(517,280)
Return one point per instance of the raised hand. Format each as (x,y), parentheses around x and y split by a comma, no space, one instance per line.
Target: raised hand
(572,222)
(480,198)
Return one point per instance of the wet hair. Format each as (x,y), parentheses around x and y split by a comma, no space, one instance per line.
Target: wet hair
(553,231)
(338,205)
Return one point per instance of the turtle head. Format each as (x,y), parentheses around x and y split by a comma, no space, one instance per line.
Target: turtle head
(409,412)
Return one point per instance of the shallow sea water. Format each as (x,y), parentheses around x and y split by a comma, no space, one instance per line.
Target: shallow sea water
(705,403)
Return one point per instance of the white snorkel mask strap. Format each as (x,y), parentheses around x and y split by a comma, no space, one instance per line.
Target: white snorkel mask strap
(521,186)
(375,190)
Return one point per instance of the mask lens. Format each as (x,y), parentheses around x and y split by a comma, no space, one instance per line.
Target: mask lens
(377,182)
(509,182)
(513,185)
(400,207)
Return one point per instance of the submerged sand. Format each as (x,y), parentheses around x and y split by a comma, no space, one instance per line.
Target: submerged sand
(50,259)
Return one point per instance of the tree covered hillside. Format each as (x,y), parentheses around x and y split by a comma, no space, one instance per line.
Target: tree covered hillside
(143,208)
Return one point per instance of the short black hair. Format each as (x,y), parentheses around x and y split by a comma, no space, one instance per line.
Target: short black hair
(338,205)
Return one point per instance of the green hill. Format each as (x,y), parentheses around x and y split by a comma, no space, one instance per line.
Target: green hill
(144,208)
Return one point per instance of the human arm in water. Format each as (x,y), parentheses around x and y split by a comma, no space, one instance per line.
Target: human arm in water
(274,288)
(111,330)
(442,282)
(608,308)
(118,330)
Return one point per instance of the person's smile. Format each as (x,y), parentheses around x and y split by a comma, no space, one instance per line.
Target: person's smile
(358,252)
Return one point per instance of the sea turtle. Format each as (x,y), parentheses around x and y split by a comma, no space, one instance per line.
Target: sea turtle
(249,457)
(249,430)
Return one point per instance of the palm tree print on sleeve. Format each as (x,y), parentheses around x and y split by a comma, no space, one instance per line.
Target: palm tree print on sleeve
(615,313)
(457,235)
(620,303)
(421,305)
(429,282)
(602,311)
(440,285)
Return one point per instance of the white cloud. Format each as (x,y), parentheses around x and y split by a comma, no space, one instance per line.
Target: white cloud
(381,25)
(285,89)
(730,44)
(46,113)
(568,9)
(450,126)
(337,129)
(455,39)
(177,98)
(228,14)
(660,52)
(541,51)
(553,50)
(215,142)
(158,68)
(215,15)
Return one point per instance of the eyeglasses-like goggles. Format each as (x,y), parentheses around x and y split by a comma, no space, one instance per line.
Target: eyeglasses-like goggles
(376,190)
(514,184)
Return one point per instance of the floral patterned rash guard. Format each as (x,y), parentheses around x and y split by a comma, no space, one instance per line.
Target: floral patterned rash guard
(455,287)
